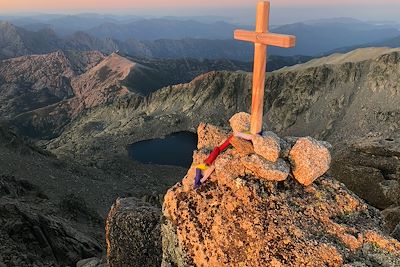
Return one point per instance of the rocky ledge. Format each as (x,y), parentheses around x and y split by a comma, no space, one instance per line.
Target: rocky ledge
(371,168)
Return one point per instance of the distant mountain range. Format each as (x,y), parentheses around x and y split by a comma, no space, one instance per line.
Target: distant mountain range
(153,29)
(16,41)
(318,38)
(391,43)
(177,38)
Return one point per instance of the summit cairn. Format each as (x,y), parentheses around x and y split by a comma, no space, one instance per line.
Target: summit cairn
(258,199)
(263,155)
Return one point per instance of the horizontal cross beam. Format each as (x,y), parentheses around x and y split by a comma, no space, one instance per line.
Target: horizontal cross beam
(273,39)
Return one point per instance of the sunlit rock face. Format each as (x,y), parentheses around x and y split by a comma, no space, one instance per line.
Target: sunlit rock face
(239,218)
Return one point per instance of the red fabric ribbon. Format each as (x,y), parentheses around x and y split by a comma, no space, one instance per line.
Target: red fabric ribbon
(210,160)
(213,156)
(226,144)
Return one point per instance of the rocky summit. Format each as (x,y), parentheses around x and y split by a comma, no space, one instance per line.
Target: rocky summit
(253,211)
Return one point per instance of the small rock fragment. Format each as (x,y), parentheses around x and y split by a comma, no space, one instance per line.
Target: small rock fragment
(266,170)
(267,145)
(243,147)
(310,159)
(240,122)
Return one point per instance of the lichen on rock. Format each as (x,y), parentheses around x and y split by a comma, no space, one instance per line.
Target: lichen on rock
(310,159)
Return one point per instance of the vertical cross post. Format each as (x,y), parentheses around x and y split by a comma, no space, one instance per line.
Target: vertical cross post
(260,66)
(261,39)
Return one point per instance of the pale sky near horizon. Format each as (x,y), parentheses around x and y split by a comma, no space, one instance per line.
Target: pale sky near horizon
(43,5)
(283,11)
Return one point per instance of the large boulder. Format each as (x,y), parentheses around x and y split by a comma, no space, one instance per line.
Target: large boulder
(310,159)
(246,221)
(133,234)
(237,218)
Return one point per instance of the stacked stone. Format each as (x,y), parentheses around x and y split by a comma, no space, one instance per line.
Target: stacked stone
(269,157)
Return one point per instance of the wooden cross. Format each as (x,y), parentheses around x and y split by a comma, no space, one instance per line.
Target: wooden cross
(261,38)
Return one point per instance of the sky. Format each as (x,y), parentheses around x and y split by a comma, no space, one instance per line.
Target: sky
(283,11)
(15,5)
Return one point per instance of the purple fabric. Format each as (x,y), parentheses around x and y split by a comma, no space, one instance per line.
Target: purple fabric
(197,179)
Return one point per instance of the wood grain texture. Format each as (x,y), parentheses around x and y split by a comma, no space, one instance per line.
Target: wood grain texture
(274,39)
(257,103)
(260,65)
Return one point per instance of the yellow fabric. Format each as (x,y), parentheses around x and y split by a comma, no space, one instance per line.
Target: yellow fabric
(202,167)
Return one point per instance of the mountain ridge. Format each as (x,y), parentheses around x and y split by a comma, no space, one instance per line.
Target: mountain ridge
(300,101)
(133,40)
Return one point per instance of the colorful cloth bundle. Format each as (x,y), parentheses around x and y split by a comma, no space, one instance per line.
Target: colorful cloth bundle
(203,171)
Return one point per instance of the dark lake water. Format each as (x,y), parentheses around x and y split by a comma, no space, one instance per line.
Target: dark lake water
(175,149)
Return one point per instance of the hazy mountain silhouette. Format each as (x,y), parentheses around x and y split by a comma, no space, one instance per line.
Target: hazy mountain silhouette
(153,29)
(15,41)
(173,37)
(390,43)
(319,38)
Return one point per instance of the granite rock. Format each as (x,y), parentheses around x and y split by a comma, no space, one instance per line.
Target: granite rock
(240,122)
(266,170)
(310,159)
(243,147)
(267,145)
